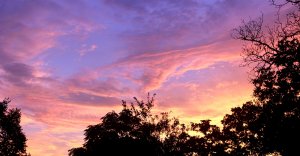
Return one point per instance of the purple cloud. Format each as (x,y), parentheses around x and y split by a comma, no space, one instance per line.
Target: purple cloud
(17,73)
(88,99)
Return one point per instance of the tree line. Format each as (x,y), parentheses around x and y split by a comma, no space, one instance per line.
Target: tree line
(268,124)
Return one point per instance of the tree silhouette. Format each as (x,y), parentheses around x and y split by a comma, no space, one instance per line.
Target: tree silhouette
(129,132)
(210,142)
(272,123)
(242,130)
(136,131)
(12,139)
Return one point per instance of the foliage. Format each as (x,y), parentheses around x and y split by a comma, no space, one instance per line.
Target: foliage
(275,54)
(12,139)
(242,130)
(136,131)
(132,128)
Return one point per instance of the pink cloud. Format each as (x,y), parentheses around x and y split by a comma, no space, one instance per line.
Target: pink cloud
(206,97)
(150,70)
(57,105)
(94,93)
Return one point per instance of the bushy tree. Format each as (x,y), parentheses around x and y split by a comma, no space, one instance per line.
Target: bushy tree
(242,130)
(272,122)
(136,131)
(133,131)
(12,139)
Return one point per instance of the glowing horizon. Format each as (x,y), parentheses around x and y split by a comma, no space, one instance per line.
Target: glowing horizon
(67,64)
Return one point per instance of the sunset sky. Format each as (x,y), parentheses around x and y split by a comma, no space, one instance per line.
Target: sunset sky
(67,63)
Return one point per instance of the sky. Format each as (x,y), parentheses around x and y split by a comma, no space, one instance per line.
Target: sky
(65,64)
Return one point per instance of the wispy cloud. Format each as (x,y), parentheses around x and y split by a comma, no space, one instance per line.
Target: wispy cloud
(86,49)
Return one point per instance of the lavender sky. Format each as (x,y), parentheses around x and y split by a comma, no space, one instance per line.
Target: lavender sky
(67,63)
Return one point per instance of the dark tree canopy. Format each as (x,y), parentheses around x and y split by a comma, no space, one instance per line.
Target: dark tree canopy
(242,130)
(12,139)
(274,124)
(136,131)
(129,132)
